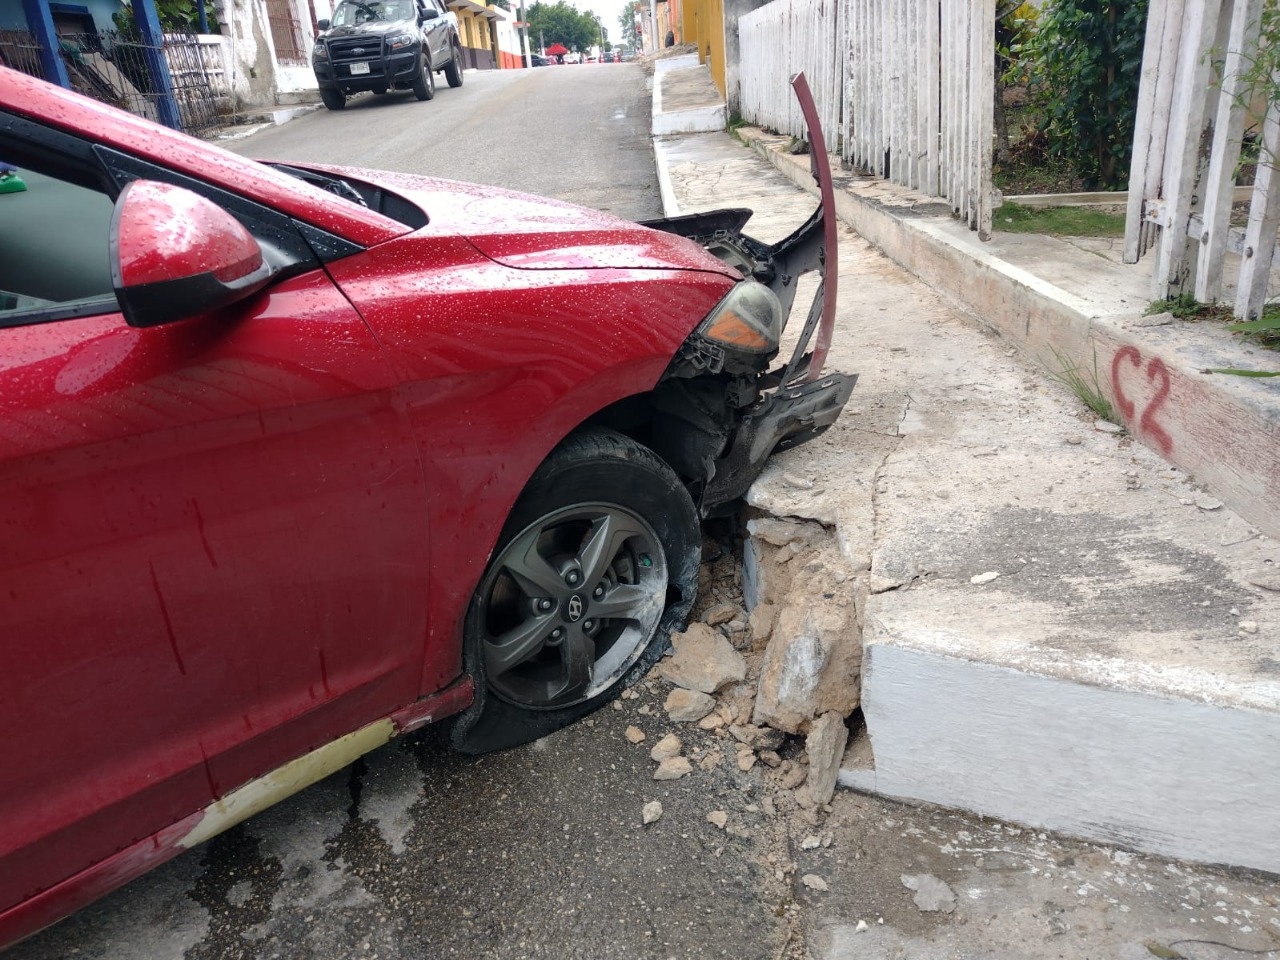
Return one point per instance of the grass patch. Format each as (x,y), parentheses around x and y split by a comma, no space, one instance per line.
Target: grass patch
(1186,307)
(1058,221)
(1084,384)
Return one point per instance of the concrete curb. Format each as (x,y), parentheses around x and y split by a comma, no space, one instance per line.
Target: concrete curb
(670,207)
(1222,429)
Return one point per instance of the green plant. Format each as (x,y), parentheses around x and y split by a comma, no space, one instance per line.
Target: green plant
(1086,59)
(177,15)
(1084,384)
(1058,221)
(1261,76)
(1184,306)
(1015,26)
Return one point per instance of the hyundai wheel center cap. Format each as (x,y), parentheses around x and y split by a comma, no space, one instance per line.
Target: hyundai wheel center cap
(576,607)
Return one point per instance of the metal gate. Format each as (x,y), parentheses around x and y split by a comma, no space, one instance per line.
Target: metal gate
(286,33)
(117,69)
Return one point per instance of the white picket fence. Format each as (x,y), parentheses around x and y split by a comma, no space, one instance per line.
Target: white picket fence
(1180,193)
(908,86)
(784,38)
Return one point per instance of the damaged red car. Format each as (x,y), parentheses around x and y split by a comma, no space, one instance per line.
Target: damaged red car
(297,459)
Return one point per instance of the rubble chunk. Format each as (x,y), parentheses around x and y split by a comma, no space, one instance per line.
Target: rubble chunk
(721,613)
(814,655)
(669,746)
(703,661)
(686,706)
(651,813)
(673,768)
(825,745)
(634,734)
(931,894)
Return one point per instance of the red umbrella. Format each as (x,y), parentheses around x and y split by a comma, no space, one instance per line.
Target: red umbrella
(557,50)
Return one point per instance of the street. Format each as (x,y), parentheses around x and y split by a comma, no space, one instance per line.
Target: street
(576,133)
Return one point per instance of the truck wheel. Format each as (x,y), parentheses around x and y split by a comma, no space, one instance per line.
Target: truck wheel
(453,72)
(595,567)
(333,98)
(424,84)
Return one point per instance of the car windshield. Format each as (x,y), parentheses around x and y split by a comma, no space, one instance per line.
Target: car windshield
(352,13)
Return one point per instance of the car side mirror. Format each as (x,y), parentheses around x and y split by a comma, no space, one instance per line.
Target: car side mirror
(322,24)
(428,13)
(175,254)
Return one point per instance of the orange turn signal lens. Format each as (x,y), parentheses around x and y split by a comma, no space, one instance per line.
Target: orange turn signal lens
(731,330)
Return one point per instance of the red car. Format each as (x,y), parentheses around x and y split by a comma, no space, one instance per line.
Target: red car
(294,460)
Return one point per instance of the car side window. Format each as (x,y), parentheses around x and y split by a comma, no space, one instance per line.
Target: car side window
(54,248)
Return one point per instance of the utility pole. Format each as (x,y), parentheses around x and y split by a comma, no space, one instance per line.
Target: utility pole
(653,20)
(524,35)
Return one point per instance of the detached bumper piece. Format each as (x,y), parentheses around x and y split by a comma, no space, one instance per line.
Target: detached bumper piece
(720,413)
(785,419)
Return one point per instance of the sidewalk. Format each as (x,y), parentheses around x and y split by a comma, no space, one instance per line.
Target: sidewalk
(1063,628)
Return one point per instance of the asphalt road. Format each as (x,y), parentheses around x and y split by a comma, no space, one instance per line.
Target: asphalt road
(577,133)
(536,852)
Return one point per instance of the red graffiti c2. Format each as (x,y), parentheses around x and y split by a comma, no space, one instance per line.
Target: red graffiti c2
(1156,370)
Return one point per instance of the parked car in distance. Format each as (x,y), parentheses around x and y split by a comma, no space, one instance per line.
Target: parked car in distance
(384,45)
(297,459)
(538,60)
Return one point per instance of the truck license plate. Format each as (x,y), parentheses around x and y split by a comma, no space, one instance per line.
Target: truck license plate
(359,68)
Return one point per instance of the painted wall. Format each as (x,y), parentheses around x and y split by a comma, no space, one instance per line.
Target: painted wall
(733,9)
(12,17)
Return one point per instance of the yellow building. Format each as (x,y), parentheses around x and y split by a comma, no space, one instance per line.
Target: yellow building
(702,24)
(477,33)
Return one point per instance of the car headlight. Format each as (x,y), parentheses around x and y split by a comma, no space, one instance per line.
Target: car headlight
(399,41)
(747,320)
(321,52)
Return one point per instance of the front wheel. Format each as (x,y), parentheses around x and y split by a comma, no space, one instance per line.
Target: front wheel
(596,566)
(453,72)
(424,84)
(333,98)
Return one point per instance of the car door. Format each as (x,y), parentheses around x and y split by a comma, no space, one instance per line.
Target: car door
(439,33)
(213,545)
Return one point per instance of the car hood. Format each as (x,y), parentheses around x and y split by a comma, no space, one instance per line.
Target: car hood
(537,233)
(372,28)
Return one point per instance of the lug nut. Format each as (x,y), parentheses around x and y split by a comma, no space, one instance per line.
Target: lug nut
(598,592)
(557,633)
(588,625)
(545,604)
(572,578)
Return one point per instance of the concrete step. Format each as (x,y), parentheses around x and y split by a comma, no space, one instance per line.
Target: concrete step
(685,98)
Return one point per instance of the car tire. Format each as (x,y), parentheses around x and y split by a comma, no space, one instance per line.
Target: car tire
(453,72)
(424,84)
(604,524)
(333,98)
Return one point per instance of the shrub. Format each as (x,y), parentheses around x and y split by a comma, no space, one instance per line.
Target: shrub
(1086,58)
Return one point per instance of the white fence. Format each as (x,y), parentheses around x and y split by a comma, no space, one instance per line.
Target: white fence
(1191,116)
(782,39)
(907,85)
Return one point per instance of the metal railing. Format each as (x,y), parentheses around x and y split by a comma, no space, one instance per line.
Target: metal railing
(117,68)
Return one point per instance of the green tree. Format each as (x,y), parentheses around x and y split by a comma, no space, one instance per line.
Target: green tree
(1086,58)
(627,21)
(562,22)
(181,15)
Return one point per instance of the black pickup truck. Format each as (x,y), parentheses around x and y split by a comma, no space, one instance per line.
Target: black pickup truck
(383,45)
